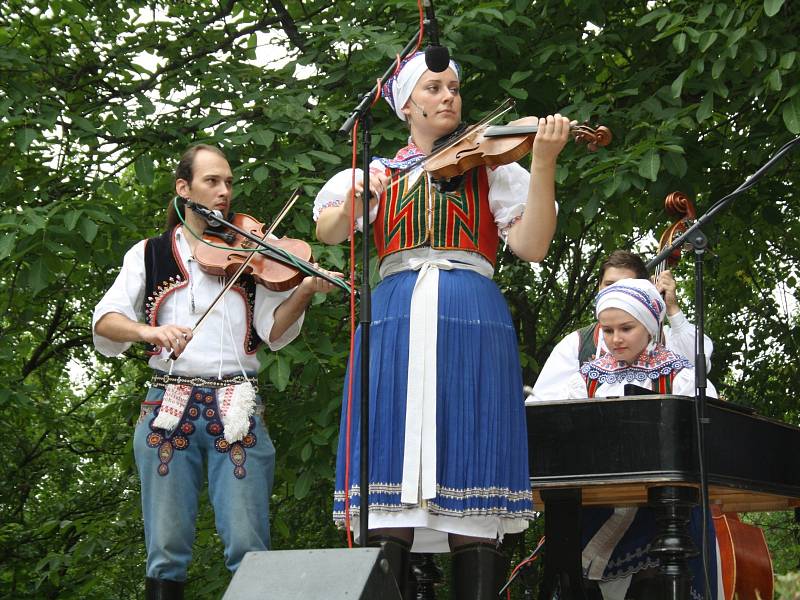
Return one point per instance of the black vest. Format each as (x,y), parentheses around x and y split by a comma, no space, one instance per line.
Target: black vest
(164,273)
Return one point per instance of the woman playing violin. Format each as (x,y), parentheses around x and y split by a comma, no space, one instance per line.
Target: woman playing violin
(202,406)
(448,459)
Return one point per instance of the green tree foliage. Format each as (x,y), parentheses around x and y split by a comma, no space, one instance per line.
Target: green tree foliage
(98,100)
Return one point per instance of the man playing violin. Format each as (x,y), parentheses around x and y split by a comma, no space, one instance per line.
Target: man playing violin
(585,344)
(448,465)
(202,406)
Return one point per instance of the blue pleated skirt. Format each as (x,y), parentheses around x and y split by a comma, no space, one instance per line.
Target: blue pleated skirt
(481,447)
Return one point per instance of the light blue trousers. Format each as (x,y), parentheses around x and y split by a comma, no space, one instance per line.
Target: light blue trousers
(171,467)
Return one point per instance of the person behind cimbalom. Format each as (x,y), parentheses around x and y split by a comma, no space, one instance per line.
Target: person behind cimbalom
(616,558)
(586,344)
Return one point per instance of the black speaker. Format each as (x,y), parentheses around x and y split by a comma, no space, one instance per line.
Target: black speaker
(339,574)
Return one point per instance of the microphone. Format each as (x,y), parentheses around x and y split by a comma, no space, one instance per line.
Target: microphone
(437,57)
(212,217)
(419,108)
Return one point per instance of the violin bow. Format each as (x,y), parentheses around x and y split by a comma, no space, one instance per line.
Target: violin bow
(232,279)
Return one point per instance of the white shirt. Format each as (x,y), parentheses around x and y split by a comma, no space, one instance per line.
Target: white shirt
(217,346)
(563,360)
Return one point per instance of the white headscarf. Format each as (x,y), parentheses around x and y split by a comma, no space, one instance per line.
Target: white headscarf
(397,89)
(637,297)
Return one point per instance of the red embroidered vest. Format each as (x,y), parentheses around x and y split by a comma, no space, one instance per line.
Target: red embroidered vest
(460,220)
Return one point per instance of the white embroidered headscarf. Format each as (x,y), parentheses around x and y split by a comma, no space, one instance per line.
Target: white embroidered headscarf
(637,297)
(397,89)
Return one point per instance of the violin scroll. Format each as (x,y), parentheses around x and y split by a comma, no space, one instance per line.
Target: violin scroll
(593,137)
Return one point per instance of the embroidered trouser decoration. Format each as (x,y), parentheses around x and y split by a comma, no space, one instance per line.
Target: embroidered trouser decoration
(202,402)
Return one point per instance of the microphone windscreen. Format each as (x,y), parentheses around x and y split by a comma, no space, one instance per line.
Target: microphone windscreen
(437,58)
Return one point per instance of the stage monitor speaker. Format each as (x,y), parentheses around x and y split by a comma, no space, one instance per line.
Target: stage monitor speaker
(338,574)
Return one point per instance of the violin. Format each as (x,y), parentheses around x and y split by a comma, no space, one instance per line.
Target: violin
(239,246)
(500,145)
(225,252)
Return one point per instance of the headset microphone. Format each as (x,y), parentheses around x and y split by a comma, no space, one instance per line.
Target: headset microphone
(419,108)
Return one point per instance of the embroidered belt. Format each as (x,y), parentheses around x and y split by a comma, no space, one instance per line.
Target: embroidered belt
(162,380)
(146,409)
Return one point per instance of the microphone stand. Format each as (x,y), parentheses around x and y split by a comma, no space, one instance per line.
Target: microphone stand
(362,114)
(696,238)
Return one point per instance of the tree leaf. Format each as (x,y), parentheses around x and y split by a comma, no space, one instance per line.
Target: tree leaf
(677,86)
(71,219)
(707,39)
(649,165)
(7,242)
(774,80)
(772,7)
(263,137)
(679,43)
(706,107)
(303,485)
(651,16)
(88,229)
(791,115)
(33,221)
(326,157)
(279,373)
(37,276)
(675,164)
(24,137)
(261,174)
(144,169)
(83,123)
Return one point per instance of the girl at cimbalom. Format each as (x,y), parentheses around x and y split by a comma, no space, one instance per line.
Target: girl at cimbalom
(448,452)
(616,557)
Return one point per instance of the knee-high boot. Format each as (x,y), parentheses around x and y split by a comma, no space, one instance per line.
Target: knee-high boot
(163,589)
(479,571)
(396,553)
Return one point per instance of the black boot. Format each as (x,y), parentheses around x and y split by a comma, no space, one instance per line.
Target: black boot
(396,552)
(163,589)
(479,571)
